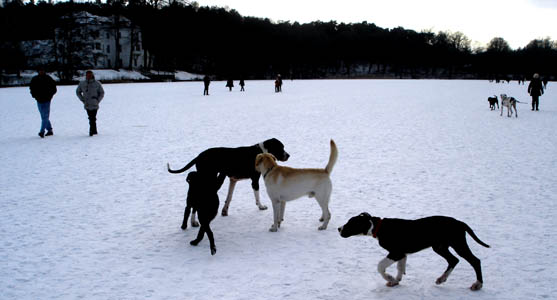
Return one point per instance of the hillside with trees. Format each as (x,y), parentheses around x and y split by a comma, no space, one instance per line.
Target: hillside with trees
(221,42)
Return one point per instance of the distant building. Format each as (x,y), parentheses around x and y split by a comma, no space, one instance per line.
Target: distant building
(106,42)
(86,41)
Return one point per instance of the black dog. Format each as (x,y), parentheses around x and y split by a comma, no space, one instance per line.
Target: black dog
(203,198)
(401,237)
(236,163)
(492,101)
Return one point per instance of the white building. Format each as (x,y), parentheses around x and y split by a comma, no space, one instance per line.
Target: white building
(106,42)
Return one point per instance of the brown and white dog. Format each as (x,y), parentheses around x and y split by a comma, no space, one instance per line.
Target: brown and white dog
(510,103)
(285,184)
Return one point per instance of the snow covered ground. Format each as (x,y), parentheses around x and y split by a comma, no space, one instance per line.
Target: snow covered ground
(98,217)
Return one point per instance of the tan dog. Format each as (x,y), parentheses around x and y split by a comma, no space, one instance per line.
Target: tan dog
(285,184)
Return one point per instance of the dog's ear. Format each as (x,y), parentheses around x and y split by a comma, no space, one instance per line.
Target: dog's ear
(273,157)
(258,160)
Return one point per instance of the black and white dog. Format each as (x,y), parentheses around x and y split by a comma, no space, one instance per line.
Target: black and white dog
(492,102)
(237,164)
(203,198)
(402,237)
(510,103)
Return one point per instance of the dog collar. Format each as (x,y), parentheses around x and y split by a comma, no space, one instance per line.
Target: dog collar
(376,228)
(262,147)
(269,170)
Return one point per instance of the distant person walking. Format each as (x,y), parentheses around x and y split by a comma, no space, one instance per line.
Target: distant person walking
(230,84)
(206,82)
(242,84)
(278,84)
(91,93)
(535,90)
(43,88)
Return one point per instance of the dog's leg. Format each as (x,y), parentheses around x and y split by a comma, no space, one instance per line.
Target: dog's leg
(401,268)
(464,251)
(451,260)
(255,187)
(194,223)
(276,215)
(229,196)
(187,211)
(211,240)
(382,267)
(323,201)
(200,235)
(515,111)
(282,209)
(258,201)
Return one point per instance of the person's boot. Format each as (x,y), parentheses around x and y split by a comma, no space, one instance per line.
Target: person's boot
(49,133)
(41,134)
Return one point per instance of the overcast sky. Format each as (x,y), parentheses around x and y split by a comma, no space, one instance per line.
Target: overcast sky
(517,21)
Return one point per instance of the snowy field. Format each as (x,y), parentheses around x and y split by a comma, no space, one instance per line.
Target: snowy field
(99,217)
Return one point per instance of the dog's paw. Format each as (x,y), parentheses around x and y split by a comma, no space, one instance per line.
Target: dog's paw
(273,228)
(476,286)
(391,281)
(194,242)
(322,227)
(184,226)
(195,224)
(213,250)
(262,207)
(442,279)
(224,213)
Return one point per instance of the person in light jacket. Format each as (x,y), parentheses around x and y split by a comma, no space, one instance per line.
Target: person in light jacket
(91,93)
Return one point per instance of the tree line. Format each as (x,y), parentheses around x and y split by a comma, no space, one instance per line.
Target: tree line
(183,35)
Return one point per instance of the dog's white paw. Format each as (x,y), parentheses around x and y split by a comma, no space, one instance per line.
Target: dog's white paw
(391,281)
(273,228)
(322,227)
(476,286)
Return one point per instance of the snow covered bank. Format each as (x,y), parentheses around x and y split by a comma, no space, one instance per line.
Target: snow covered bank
(98,217)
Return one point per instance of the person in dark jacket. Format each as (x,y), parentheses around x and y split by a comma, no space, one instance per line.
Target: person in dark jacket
(43,89)
(91,93)
(242,84)
(206,82)
(535,90)
(230,84)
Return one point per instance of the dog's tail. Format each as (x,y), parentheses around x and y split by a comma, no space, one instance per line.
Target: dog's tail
(473,235)
(182,169)
(332,157)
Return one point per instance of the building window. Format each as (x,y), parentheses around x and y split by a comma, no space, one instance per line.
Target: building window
(107,48)
(97,46)
(107,35)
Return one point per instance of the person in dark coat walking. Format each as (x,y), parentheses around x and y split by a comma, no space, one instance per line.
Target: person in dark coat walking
(91,93)
(278,84)
(230,84)
(206,82)
(535,90)
(43,88)
(242,84)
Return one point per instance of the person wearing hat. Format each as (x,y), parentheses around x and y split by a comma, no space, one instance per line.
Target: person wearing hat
(535,90)
(43,88)
(90,92)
